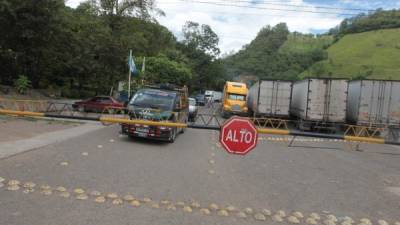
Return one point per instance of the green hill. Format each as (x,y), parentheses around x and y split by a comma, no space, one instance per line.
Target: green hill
(277,54)
(305,43)
(373,55)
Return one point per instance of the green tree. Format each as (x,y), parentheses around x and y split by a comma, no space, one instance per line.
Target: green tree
(29,31)
(201,37)
(22,84)
(161,69)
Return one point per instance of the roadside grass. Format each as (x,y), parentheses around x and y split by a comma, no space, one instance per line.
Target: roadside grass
(372,55)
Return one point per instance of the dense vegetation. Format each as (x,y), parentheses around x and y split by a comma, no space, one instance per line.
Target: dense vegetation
(375,20)
(366,46)
(277,54)
(84,51)
(373,55)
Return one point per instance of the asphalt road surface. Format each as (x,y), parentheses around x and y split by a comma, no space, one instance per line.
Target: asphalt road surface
(185,182)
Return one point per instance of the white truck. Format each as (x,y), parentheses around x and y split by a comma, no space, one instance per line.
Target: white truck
(215,96)
(270,98)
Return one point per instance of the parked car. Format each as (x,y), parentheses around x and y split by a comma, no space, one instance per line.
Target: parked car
(98,104)
(200,99)
(192,109)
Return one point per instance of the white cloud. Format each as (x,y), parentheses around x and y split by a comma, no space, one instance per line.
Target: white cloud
(237,26)
(73,3)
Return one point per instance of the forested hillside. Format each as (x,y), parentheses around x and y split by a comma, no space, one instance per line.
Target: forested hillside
(379,19)
(84,51)
(277,54)
(366,46)
(372,55)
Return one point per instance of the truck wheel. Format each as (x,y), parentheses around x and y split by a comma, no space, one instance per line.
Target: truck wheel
(225,115)
(173,136)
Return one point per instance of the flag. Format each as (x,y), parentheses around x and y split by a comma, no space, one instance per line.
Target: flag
(132,66)
(144,64)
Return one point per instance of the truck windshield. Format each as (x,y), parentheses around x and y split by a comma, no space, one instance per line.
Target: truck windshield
(236,97)
(153,99)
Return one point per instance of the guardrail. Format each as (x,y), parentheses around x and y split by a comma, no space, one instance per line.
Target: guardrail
(213,127)
(24,105)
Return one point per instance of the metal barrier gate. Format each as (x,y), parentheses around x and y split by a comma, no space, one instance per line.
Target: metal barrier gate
(215,126)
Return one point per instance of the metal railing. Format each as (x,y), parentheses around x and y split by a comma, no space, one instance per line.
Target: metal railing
(107,119)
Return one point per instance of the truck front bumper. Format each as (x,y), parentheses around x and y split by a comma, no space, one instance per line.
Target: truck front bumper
(149,132)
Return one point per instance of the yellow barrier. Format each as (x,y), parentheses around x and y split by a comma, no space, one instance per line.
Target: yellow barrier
(365,139)
(142,122)
(20,113)
(273,131)
(184,125)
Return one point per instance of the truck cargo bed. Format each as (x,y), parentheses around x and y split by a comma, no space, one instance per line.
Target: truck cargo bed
(320,100)
(374,102)
(270,98)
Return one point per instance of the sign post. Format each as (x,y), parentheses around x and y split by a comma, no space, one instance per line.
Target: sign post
(238,136)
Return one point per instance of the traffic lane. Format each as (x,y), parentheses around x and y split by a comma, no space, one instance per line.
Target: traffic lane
(318,176)
(272,176)
(176,172)
(209,116)
(17,208)
(123,164)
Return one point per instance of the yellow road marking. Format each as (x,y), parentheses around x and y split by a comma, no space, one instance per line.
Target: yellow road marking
(294,218)
(223,212)
(259,216)
(100,199)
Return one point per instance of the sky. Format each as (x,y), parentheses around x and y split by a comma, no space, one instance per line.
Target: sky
(237,22)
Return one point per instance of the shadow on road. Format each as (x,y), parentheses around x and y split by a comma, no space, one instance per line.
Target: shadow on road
(145,141)
(315,147)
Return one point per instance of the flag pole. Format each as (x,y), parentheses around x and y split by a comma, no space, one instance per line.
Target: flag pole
(129,75)
(143,68)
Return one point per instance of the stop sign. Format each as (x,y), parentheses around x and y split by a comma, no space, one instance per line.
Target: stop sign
(238,135)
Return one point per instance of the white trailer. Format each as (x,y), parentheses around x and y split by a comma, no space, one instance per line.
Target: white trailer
(374,102)
(319,101)
(270,98)
(208,94)
(217,96)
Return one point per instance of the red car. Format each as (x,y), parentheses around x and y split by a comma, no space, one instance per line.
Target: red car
(98,104)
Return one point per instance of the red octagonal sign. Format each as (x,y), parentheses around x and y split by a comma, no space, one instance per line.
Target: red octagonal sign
(238,135)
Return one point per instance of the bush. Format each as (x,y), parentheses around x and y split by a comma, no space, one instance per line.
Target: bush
(22,84)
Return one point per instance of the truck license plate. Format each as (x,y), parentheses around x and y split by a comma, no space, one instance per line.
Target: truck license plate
(142,134)
(142,130)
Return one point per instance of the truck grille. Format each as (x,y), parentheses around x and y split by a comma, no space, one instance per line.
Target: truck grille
(236,108)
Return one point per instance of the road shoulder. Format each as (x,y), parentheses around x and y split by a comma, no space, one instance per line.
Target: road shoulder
(11,148)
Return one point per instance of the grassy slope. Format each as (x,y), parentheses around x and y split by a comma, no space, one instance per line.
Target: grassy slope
(304,43)
(374,55)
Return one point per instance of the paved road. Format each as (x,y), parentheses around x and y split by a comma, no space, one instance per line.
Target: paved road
(314,176)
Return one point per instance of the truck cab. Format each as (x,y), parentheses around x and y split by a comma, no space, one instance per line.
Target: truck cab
(234,99)
(163,104)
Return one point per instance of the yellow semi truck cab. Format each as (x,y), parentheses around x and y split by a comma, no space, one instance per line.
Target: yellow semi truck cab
(234,102)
